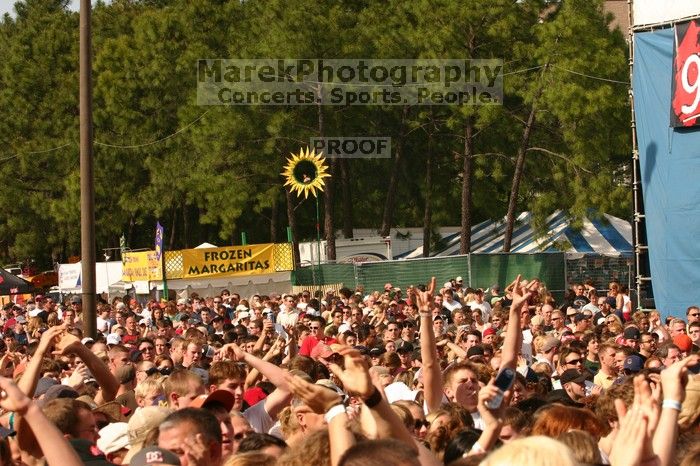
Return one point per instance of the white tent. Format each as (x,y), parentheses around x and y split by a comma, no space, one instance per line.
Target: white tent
(279,282)
(107,277)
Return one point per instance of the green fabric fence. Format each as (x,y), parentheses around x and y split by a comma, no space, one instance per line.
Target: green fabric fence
(477,270)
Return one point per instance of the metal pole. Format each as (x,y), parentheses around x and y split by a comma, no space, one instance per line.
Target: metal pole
(107,276)
(318,240)
(639,222)
(164,272)
(87,191)
(469,269)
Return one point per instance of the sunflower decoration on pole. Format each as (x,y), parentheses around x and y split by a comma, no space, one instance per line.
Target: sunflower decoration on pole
(304,174)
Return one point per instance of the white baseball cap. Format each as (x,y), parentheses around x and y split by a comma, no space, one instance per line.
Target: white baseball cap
(113,437)
(113,339)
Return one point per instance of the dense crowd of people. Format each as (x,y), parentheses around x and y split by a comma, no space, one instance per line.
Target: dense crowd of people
(428,375)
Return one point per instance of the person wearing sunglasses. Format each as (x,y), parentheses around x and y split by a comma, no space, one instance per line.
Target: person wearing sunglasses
(694,333)
(408,330)
(570,359)
(558,324)
(648,343)
(316,326)
(420,424)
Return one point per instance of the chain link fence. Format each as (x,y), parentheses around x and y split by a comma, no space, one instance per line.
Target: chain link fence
(477,270)
(601,270)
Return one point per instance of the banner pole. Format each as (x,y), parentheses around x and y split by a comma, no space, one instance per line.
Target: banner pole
(163,272)
(318,240)
(160,249)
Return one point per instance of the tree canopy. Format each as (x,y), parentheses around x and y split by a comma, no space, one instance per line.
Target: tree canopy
(209,173)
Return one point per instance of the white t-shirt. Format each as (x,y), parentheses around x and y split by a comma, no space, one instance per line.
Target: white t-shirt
(544,360)
(484,307)
(526,348)
(478,421)
(453,306)
(258,418)
(287,319)
(591,307)
(103,325)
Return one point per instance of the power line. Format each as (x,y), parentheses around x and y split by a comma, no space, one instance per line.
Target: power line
(114,146)
(10,157)
(524,70)
(599,78)
(137,146)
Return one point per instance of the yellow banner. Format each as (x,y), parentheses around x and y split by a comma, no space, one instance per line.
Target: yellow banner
(234,260)
(141,266)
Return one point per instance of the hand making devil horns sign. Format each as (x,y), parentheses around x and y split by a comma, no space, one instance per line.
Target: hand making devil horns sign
(423,299)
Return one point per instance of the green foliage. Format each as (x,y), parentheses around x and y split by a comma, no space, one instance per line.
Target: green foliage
(219,175)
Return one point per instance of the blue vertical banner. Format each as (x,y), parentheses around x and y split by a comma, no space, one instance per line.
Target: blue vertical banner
(159,241)
(669,158)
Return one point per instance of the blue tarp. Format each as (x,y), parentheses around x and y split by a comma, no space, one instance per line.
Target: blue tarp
(670,175)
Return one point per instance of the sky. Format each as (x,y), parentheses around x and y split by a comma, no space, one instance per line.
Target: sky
(7,6)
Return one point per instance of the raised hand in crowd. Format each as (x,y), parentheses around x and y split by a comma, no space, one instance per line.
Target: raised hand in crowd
(49,439)
(78,377)
(317,397)
(493,418)
(633,444)
(231,351)
(194,448)
(328,403)
(521,293)
(674,379)
(355,377)
(424,299)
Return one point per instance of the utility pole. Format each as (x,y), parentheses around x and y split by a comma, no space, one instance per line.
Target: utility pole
(87,185)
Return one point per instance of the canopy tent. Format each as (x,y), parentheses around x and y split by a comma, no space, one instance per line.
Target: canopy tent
(608,236)
(12,284)
(108,275)
(206,246)
(245,286)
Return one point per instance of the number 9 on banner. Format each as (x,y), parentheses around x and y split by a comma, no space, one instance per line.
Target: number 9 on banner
(691,88)
(685,92)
